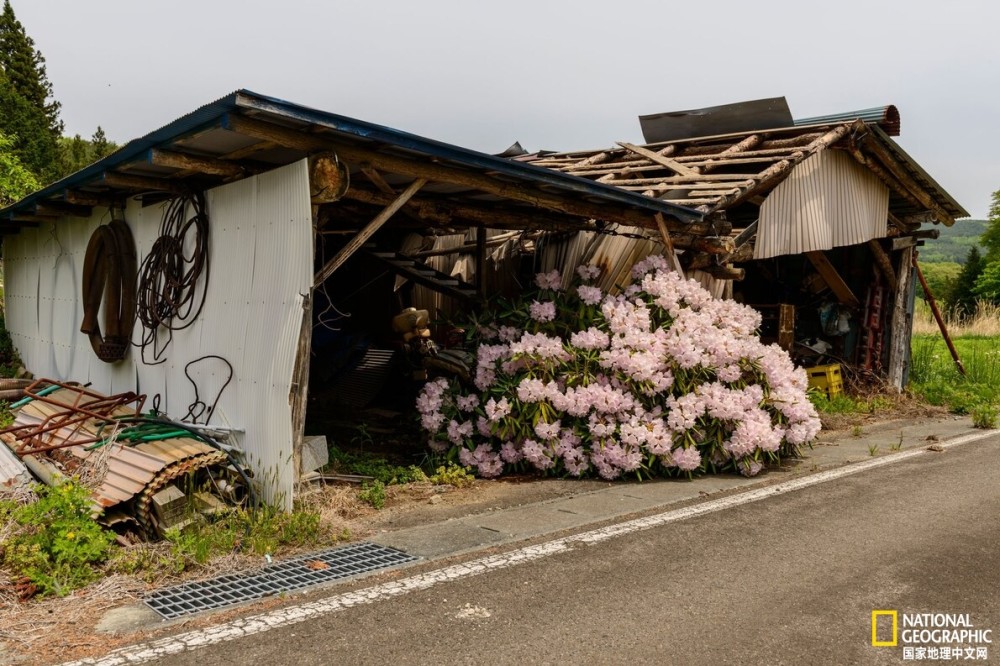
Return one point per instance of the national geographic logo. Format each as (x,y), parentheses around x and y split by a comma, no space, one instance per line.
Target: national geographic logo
(885,628)
(933,636)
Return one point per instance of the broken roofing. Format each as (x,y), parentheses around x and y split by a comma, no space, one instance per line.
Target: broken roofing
(721,172)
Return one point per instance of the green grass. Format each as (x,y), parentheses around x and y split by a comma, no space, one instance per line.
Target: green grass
(934,377)
(849,404)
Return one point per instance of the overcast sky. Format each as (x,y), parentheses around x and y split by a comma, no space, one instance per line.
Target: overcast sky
(551,74)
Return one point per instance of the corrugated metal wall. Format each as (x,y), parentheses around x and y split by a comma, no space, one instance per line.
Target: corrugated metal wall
(261,269)
(828,201)
(616,255)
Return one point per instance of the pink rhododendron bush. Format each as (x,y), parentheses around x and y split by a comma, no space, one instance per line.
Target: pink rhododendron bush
(660,380)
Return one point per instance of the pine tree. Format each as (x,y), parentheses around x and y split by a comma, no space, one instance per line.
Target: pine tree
(24,66)
(100,146)
(28,112)
(963,296)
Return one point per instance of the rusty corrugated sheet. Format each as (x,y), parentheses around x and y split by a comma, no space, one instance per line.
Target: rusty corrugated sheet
(827,201)
(132,469)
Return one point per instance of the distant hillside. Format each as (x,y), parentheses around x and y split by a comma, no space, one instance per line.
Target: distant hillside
(954,242)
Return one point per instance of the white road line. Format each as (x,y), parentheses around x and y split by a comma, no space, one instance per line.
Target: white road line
(283,617)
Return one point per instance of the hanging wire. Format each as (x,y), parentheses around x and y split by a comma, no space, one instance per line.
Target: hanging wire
(169,296)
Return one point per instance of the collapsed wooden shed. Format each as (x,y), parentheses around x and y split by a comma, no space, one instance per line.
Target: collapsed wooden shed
(297,211)
(826,217)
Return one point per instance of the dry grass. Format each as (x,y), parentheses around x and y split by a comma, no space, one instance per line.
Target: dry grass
(984,323)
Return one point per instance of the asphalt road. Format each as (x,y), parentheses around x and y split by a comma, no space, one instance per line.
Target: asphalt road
(788,580)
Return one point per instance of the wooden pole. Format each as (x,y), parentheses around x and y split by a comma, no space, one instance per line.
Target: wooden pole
(355,243)
(668,245)
(938,317)
(901,324)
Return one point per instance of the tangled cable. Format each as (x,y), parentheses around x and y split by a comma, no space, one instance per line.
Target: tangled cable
(199,408)
(169,296)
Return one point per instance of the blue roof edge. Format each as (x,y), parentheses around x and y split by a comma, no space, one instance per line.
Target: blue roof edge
(243,99)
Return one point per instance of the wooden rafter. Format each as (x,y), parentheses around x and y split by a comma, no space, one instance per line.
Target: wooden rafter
(210,166)
(362,236)
(445,174)
(833,280)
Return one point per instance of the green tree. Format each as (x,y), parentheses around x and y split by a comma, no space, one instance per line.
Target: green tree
(25,68)
(16,181)
(963,297)
(99,144)
(28,112)
(991,237)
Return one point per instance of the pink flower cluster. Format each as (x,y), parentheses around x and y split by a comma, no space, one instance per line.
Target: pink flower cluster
(660,379)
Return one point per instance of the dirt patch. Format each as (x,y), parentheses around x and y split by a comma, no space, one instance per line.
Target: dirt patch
(880,408)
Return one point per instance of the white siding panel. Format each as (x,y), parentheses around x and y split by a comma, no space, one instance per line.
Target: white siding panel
(261,269)
(829,200)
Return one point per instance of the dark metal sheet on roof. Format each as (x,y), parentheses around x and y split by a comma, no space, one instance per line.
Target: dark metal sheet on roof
(756,114)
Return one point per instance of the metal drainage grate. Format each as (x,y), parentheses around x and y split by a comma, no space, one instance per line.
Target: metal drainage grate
(288,576)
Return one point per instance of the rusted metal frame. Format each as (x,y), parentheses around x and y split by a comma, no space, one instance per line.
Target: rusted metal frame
(75,414)
(362,236)
(31,435)
(937,316)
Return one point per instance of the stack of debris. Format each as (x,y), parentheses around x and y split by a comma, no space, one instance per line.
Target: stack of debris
(148,474)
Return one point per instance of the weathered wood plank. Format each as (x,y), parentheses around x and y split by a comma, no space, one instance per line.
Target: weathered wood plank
(445,174)
(212,167)
(833,279)
(673,165)
(883,262)
(362,236)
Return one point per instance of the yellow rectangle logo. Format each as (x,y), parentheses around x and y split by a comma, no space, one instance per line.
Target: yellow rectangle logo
(895,619)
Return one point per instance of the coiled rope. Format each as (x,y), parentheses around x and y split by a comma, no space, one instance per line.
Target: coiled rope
(109,269)
(170,297)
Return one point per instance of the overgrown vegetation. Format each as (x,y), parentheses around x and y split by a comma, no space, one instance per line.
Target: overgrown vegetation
(373,465)
(843,403)
(55,545)
(935,378)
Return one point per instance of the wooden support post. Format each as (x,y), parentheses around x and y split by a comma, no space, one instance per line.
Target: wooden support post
(366,233)
(901,324)
(668,245)
(786,326)
(480,261)
(299,398)
(883,262)
(937,315)
(833,279)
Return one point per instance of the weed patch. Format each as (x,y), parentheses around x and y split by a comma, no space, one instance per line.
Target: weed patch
(56,545)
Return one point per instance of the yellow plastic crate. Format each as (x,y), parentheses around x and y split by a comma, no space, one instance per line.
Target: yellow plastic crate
(826,378)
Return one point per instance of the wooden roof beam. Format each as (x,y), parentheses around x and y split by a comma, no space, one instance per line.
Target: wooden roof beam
(363,157)
(833,280)
(899,173)
(362,236)
(121,181)
(779,170)
(209,166)
(60,208)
